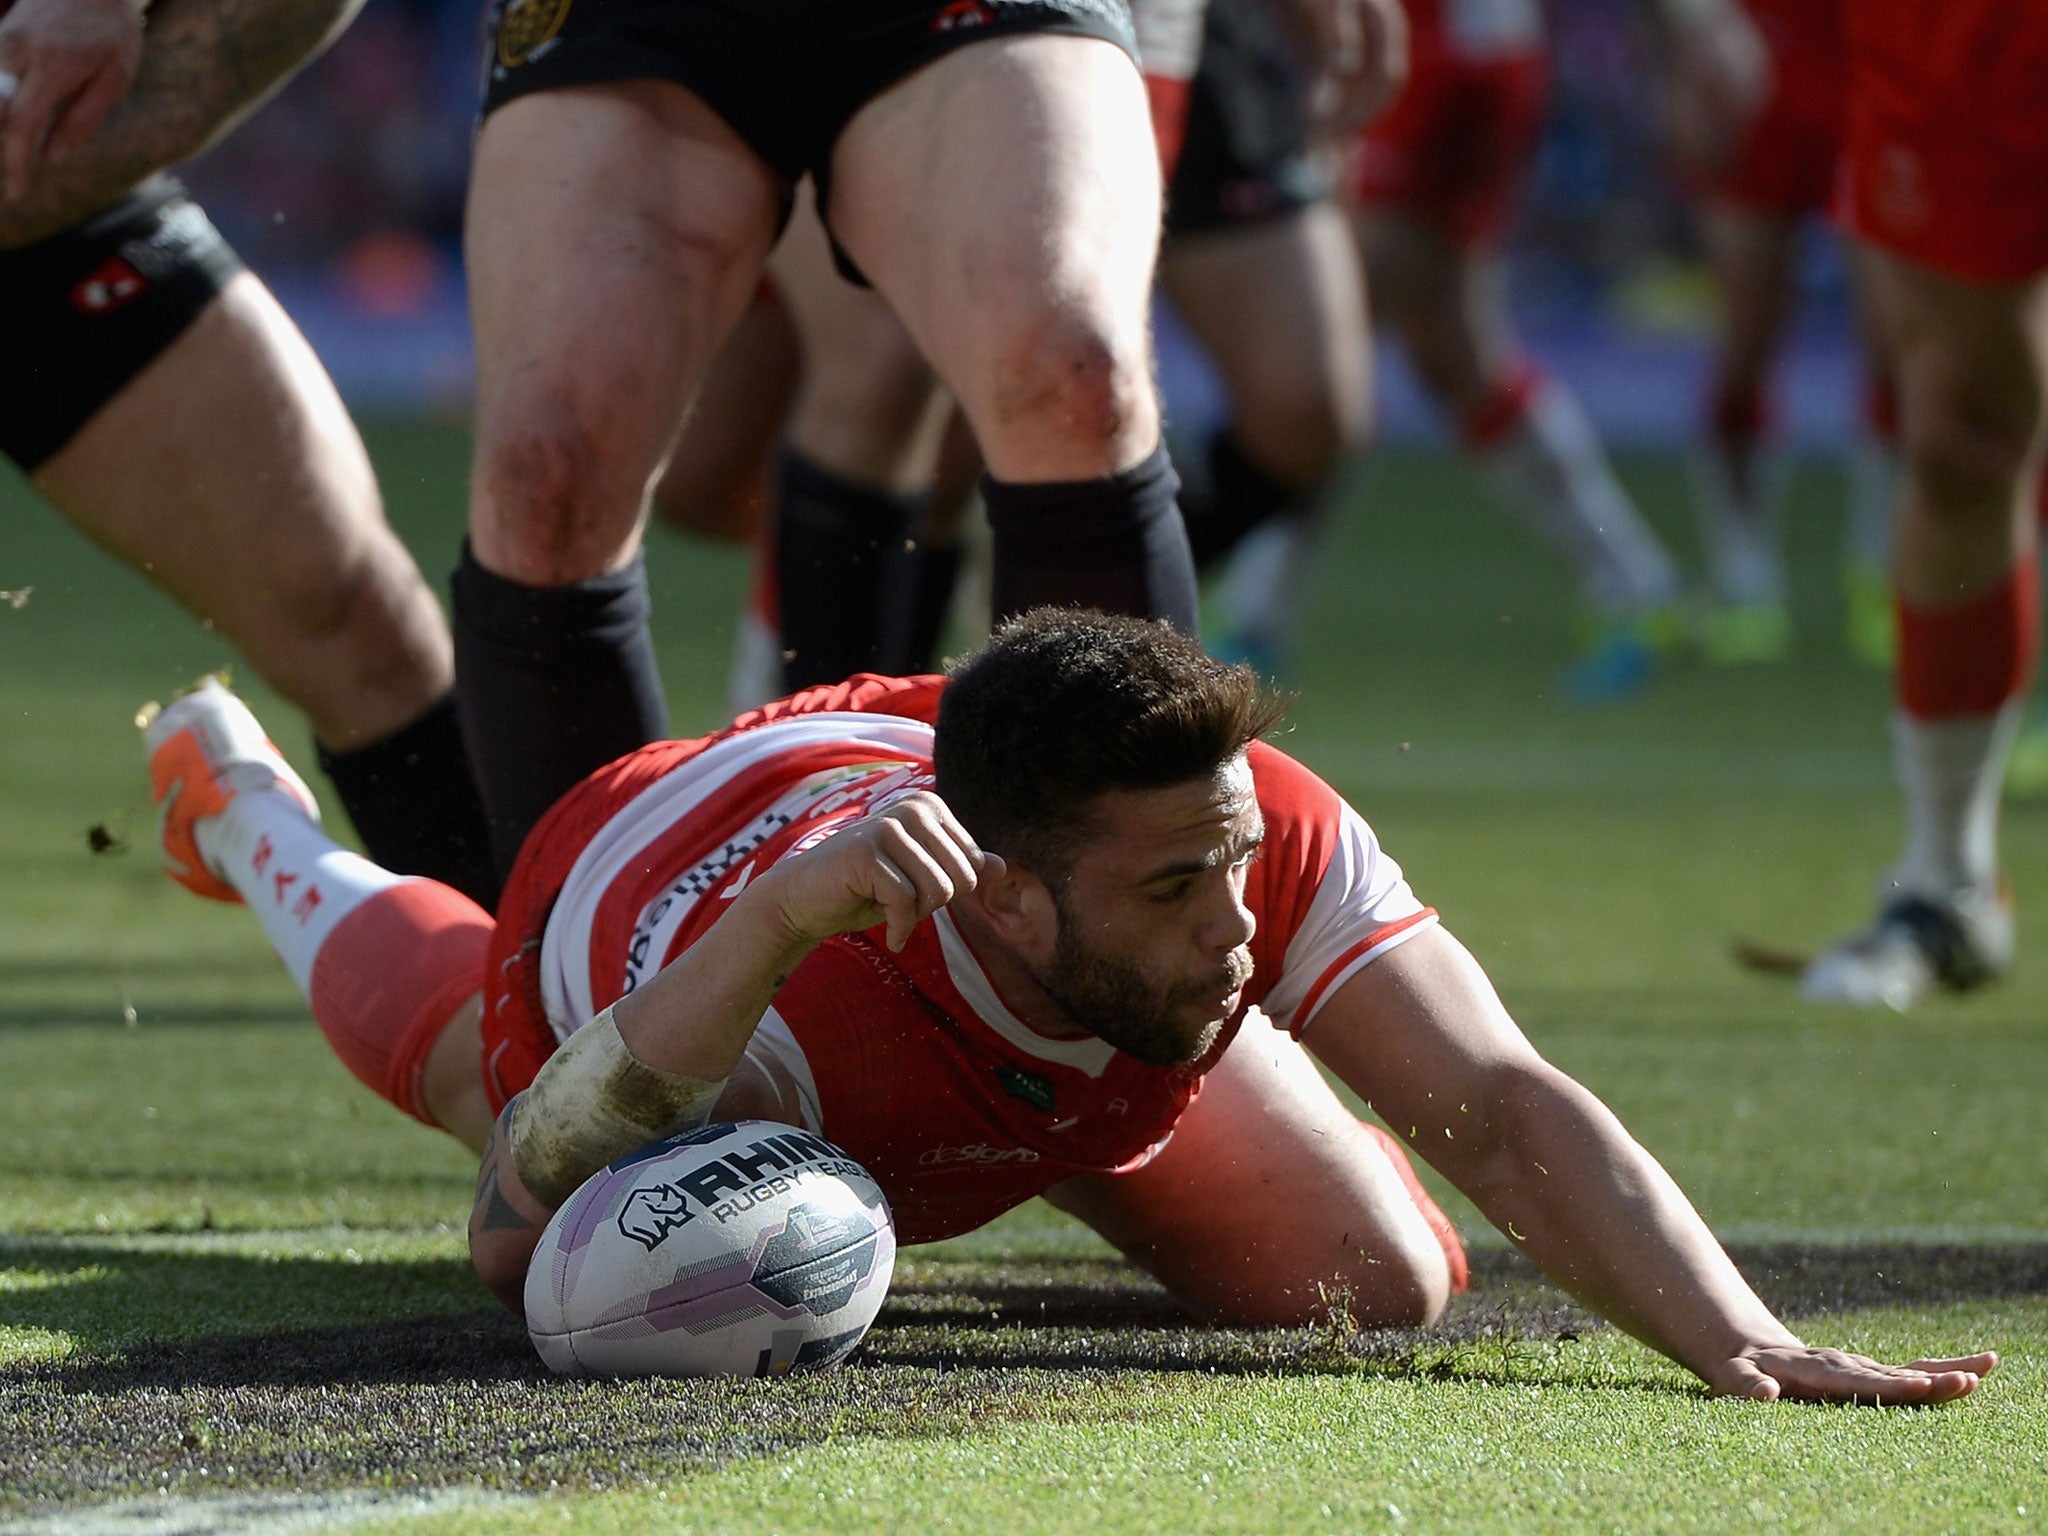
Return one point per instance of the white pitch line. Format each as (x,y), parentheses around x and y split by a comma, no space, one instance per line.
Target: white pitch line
(245,1514)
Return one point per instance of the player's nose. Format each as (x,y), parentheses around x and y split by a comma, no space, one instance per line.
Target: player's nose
(1229,924)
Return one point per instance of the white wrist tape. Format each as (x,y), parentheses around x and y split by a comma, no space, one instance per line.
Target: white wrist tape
(591,1103)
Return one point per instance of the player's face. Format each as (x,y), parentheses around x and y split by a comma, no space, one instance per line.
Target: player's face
(1153,948)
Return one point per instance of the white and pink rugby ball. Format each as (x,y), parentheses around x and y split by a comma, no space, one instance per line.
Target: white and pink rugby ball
(746,1249)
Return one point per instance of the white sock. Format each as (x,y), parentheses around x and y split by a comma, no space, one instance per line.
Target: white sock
(1738,522)
(297,880)
(1951,772)
(1550,468)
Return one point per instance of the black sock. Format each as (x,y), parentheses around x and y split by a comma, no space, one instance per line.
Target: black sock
(836,542)
(1117,544)
(415,805)
(918,611)
(552,684)
(1240,497)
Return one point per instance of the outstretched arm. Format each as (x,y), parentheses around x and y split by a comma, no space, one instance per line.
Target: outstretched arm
(663,1059)
(1421,1035)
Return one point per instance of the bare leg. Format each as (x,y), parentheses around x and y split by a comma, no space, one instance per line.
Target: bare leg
(1971,363)
(1531,438)
(229,472)
(720,477)
(854,475)
(1270,1197)
(1734,495)
(1005,201)
(1280,308)
(614,235)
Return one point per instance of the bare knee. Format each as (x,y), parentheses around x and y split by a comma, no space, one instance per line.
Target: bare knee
(1405,1289)
(1966,450)
(1069,388)
(551,505)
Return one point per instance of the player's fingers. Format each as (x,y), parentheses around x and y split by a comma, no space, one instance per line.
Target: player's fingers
(1742,1378)
(1835,1376)
(82,115)
(917,884)
(1982,1364)
(928,819)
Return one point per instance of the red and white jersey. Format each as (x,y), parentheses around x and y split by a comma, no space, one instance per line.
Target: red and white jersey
(912,1062)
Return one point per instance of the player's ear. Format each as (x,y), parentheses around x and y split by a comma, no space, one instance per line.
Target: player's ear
(1019,906)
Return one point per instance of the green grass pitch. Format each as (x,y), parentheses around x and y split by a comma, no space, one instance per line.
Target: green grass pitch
(232,1287)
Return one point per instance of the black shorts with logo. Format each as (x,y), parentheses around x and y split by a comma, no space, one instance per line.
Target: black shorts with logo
(94,306)
(786,74)
(1247,157)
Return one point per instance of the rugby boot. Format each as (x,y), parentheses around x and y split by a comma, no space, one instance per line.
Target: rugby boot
(205,748)
(1621,653)
(1741,634)
(1918,943)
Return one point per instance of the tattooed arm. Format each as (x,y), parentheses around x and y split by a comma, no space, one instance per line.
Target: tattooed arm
(205,65)
(505,1222)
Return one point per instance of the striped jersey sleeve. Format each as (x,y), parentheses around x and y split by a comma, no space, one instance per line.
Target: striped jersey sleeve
(1328,899)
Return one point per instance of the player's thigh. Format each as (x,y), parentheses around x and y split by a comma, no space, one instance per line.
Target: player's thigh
(1005,200)
(614,234)
(229,472)
(1280,308)
(1270,1197)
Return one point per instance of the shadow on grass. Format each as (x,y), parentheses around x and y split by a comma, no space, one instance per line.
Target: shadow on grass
(210,1373)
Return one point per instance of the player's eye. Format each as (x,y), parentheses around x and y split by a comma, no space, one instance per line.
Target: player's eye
(1167,895)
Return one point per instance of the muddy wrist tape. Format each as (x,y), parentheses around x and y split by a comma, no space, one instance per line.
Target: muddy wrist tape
(591,1103)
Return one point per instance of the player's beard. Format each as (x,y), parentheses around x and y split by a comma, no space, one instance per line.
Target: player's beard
(1113,1000)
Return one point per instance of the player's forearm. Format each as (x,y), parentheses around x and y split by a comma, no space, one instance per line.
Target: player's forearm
(1583,1200)
(699,1011)
(206,64)
(653,1064)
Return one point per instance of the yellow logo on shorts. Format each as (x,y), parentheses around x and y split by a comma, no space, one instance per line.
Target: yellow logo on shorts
(526,25)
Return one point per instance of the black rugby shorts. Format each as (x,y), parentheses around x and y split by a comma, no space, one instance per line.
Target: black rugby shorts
(94,306)
(1247,157)
(786,74)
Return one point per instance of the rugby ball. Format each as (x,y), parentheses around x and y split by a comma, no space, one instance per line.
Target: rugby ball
(746,1249)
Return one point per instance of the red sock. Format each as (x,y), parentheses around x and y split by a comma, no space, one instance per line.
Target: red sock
(1494,417)
(1970,658)
(389,977)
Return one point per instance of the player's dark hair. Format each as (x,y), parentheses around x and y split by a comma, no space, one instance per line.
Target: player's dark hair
(1065,704)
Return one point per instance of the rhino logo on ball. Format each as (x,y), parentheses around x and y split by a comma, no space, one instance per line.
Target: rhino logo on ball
(652,1212)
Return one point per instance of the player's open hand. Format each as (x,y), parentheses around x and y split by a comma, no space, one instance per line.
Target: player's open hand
(898,867)
(63,66)
(1836,1376)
